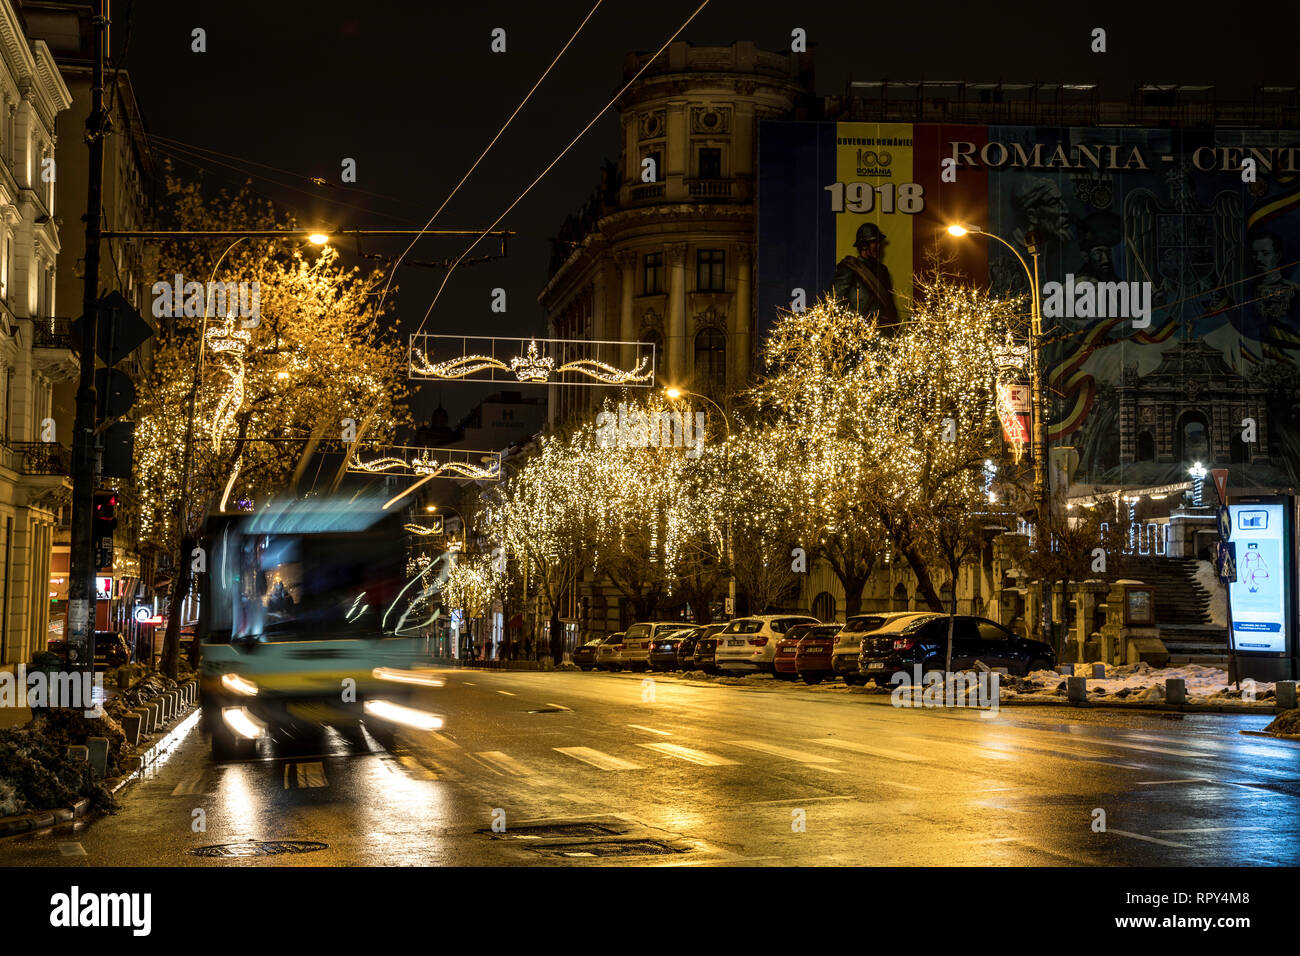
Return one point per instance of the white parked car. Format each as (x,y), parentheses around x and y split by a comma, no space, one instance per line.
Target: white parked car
(609,655)
(848,642)
(749,643)
(639,638)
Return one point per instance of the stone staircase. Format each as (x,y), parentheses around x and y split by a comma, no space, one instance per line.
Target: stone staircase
(1182,608)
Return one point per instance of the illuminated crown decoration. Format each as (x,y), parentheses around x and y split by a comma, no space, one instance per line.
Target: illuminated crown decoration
(532,367)
(421,461)
(1010,356)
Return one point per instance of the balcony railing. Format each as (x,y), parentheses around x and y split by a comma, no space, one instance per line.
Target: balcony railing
(51,333)
(709,188)
(651,191)
(38,458)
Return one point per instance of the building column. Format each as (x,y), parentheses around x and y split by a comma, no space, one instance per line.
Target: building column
(676,345)
(739,359)
(626,262)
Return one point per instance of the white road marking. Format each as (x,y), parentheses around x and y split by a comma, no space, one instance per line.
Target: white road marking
(444,740)
(1157,783)
(1211,830)
(802,756)
(1139,836)
(866,749)
(470,683)
(305,775)
(651,730)
(72,849)
(506,692)
(596,758)
(560,707)
(504,762)
(694,756)
(415,768)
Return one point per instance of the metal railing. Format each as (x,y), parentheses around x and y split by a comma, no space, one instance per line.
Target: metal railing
(51,333)
(38,457)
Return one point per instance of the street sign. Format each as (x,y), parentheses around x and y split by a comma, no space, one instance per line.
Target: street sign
(730,607)
(1225,562)
(1221,483)
(115,391)
(119,325)
(119,450)
(1225,523)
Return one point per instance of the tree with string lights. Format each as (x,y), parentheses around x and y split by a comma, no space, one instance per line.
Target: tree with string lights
(316,355)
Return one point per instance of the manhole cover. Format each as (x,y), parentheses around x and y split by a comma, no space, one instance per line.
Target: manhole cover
(538,831)
(260,848)
(612,848)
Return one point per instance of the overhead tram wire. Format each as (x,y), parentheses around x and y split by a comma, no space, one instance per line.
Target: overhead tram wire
(486,149)
(563,152)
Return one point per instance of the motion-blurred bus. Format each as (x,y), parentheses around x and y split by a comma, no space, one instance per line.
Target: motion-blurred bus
(308,620)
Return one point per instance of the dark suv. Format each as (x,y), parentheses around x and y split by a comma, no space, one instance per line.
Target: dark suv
(923,639)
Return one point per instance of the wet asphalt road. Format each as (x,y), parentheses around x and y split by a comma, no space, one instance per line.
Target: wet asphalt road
(704,774)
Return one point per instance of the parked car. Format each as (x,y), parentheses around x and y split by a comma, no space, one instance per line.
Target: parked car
(585,656)
(749,643)
(786,646)
(923,639)
(706,649)
(812,658)
(686,649)
(640,638)
(848,644)
(111,650)
(663,653)
(609,655)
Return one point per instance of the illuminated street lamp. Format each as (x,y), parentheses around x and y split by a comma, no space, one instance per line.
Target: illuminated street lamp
(1035,341)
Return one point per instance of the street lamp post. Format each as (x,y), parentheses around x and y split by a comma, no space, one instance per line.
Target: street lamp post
(674,394)
(1041,499)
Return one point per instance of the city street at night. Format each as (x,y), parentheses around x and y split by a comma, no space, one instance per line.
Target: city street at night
(587,772)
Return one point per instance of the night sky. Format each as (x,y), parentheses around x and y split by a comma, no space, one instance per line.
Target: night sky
(412,91)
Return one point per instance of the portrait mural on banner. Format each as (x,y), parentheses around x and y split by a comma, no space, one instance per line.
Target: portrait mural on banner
(1170,280)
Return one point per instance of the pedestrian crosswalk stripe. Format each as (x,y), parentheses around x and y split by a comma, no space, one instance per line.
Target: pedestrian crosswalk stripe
(866,749)
(196,783)
(694,756)
(415,768)
(802,756)
(501,761)
(300,776)
(603,761)
(506,692)
(650,730)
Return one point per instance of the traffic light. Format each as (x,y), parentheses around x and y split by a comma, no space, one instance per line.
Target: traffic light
(105,522)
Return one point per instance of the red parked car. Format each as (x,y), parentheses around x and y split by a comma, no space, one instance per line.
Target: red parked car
(812,659)
(785,648)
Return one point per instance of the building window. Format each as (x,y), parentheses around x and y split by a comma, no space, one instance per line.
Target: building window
(652,337)
(711,361)
(653,283)
(1146,450)
(710,162)
(710,270)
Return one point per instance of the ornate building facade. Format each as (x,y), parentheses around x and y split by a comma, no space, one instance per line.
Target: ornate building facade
(33,461)
(664,252)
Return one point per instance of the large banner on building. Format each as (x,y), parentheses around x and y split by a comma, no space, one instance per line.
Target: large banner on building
(1168,263)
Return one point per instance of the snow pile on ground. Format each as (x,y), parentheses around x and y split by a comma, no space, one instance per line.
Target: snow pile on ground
(1287,722)
(1136,682)
(36,774)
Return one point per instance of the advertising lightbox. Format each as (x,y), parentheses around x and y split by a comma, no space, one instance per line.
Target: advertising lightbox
(1260,598)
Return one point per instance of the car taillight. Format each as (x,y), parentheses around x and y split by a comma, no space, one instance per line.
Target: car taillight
(758,641)
(904,644)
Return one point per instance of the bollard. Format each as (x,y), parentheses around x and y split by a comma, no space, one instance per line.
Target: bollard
(1065,670)
(155,715)
(131,727)
(98,747)
(1285,690)
(1175,691)
(79,753)
(1099,671)
(143,714)
(1076,689)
